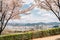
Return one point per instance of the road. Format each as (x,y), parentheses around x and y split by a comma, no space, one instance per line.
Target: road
(56,37)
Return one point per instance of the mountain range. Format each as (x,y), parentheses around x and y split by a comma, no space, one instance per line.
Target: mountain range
(33,24)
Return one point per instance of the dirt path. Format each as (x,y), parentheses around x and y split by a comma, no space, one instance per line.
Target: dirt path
(56,37)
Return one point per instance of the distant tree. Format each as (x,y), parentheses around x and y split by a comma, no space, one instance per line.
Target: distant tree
(53,5)
(55,26)
(10,9)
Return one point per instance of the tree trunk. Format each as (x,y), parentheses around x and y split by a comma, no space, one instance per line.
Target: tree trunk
(0,32)
(59,18)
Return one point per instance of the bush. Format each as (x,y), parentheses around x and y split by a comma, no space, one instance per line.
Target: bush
(23,36)
(45,33)
(30,35)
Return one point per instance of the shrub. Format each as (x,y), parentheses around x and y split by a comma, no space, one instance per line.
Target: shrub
(30,35)
(23,36)
(45,33)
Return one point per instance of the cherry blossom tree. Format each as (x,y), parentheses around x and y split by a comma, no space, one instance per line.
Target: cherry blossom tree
(10,9)
(52,5)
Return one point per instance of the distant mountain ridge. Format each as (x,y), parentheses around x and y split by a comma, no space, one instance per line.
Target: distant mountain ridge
(33,24)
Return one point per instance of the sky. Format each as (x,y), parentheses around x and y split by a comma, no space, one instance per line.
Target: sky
(37,15)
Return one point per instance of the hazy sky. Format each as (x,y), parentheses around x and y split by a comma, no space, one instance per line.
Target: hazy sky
(37,15)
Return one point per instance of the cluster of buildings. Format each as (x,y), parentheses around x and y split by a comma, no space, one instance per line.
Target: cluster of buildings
(28,28)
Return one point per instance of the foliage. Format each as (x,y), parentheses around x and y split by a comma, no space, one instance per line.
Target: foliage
(10,9)
(51,5)
(30,35)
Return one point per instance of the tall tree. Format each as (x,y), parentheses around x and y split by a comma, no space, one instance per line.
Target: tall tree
(53,5)
(9,9)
